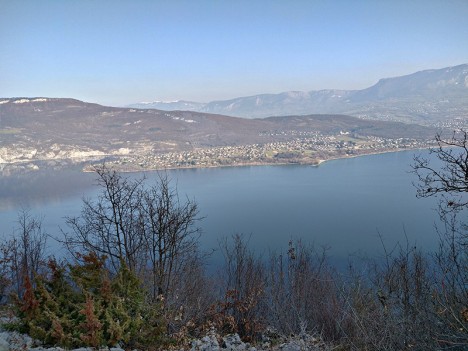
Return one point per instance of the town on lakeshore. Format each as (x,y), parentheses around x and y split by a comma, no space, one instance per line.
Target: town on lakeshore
(293,127)
(311,150)
(233,175)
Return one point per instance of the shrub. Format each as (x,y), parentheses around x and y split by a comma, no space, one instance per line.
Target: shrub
(80,305)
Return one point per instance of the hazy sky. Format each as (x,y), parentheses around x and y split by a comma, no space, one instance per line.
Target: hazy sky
(117,52)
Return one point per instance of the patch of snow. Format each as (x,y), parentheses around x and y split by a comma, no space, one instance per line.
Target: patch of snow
(123,151)
(4,102)
(189,121)
(21,101)
(39,100)
(85,154)
(158,102)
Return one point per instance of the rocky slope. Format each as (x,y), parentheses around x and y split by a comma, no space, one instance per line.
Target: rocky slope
(13,341)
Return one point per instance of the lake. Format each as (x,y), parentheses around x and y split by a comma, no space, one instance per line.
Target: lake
(341,204)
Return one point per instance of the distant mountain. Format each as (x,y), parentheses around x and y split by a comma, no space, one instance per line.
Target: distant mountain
(288,103)
(170,105)
(424,97)
(445,83)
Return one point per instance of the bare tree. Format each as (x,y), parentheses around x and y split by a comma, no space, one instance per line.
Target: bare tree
(303,281)
(242,284)
(446,177)
(111,225)
(23,255)
(4,271)
(147,227)
(170,234)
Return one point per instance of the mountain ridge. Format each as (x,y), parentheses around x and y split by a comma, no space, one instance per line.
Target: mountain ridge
(420,97)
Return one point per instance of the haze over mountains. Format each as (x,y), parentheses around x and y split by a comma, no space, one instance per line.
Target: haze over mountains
(350,123)
(424,97)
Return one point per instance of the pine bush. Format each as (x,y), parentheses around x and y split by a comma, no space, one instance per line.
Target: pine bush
(82,305)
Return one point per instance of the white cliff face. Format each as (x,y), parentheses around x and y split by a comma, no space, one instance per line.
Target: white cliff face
(11,155)
(18,154)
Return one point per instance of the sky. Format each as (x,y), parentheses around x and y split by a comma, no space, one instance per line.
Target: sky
(116,52)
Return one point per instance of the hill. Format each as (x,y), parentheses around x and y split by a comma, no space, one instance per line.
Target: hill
(52,129)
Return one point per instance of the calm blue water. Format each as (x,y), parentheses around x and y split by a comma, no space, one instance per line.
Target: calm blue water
(342,204)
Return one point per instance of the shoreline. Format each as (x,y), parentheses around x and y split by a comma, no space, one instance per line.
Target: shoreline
(87,166)
(374,153)
(255,164)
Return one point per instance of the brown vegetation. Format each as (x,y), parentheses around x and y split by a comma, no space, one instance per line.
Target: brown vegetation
(136,278)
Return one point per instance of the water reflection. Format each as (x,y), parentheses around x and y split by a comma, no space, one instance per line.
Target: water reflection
(342,204)
(44,186)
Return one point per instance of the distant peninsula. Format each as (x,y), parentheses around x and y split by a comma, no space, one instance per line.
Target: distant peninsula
(51,132)
(395,114)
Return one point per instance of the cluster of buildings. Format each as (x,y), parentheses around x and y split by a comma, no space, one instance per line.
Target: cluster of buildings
(301,150)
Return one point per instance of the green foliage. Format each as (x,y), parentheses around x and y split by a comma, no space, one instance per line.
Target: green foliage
(81,305)
(49,310)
